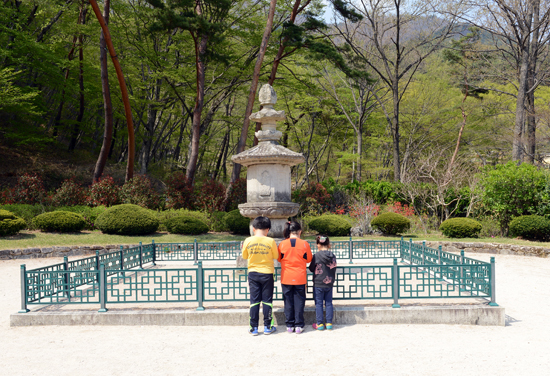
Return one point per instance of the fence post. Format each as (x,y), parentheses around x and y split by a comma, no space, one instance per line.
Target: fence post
(102,289)
(395,284)
(401,249)
(200,287)
(424,252)
(66,277)
(411,250)
(195,252)
(121,261)
(350,250)
(97,265)
(493,302)
(439,262)
(23,289)
(154,252)
(140,256)
(461,285)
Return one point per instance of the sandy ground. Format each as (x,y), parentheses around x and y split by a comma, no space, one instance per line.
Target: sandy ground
(520,348)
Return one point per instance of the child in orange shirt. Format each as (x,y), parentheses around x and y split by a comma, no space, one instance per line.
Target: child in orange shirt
(294,254)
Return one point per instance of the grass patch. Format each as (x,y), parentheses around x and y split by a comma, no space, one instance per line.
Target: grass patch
(26,239)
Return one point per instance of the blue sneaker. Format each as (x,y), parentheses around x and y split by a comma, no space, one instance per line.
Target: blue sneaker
(253,331)
(267,330)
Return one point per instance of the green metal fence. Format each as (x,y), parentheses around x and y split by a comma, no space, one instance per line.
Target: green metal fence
(120,277)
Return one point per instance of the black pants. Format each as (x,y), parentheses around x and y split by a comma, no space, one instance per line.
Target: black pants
(295,302)
(261,291)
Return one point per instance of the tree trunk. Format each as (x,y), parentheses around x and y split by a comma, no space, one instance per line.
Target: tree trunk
(531,140)
(252,95)
(107,104)
(395,132)
(123,90)
(76,128)
(200,51)
(517,146)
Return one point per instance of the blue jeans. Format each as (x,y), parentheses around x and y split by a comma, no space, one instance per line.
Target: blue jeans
(323,294)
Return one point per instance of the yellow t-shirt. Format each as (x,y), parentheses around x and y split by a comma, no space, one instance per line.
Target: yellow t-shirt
(260,251)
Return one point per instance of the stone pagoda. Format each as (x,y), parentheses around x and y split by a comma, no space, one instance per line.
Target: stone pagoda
(268,175)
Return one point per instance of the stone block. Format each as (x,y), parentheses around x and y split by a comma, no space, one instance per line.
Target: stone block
(5,252)
(47,250)
(28,251)
(61,250)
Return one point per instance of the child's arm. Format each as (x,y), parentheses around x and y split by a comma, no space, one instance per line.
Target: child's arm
(245,250)
(312,264)
(274,251)
(309,257)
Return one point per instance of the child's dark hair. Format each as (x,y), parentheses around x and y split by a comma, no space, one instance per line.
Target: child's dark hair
(261,223)
(291,227)
(323,240)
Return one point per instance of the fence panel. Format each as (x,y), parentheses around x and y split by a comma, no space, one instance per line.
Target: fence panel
(174,251)
(153,285)
(62,287)
(363,282)
(219,251)
(375,249)
(425,281)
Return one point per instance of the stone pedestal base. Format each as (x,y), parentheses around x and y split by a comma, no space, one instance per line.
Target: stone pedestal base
(277,227)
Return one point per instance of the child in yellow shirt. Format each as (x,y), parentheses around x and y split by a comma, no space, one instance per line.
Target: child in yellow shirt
(260,251)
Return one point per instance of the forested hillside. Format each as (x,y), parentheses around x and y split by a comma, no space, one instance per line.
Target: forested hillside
(416,92)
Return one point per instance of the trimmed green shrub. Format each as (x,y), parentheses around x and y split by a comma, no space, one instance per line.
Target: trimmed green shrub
(165,215)
(391,223)
(331,225)
(236,223)
(26,211)
(217,221)
(10,224)
(532,227)
(59,221)
(90,214)
(127,219)
(460,228)
(186,225)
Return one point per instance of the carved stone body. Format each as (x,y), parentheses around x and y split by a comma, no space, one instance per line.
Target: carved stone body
(268,175)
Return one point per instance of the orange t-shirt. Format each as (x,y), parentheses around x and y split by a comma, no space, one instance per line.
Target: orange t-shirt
(294,255)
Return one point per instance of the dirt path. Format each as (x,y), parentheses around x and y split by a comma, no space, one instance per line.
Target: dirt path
(520,348)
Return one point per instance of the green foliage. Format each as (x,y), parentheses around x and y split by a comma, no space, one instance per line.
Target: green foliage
(489,227)
(127,219)
(139,191)
(236,223)
(460,228)
(531,227)
(69,194)
(186,225)
(10,224)
(59,221)
(166,215)
(511,191)
(331,225)
(217,221)
(89,214)
(12,96)
(104,192)
(26,211)
(391,223)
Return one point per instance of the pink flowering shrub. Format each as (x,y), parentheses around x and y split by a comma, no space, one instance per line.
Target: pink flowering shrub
(139,191)
(104,192)
(69,194)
